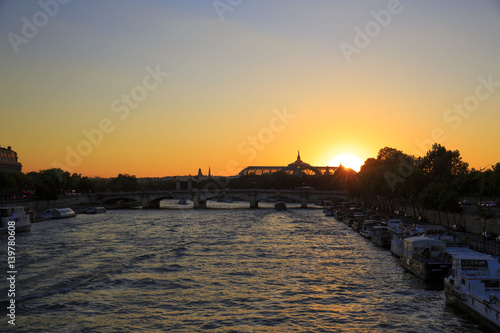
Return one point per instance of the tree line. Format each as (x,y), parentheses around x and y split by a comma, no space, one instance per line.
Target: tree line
(440,181)
(390,181)
(50,184)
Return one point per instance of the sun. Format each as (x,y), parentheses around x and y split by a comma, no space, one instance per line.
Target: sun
(347,160)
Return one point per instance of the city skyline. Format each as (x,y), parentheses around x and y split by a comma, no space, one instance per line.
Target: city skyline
(162,88)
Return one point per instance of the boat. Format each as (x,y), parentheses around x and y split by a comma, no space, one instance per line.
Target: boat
(473,286)
(95,210)
(58,213)
(357,221)
(182,201)
(280,205)
(397,240)
(329,211)
(381,236)
(425,257)
(366,229)
(339,215)
(394,225)
(22,221)
(328,208)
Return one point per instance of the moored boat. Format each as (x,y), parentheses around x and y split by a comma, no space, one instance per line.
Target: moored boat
(58,213)
(339,215)
(357,221)
(425,257)
(394,225)
(16,214)
(95,210)
(366,229)
(329,211)
(397,241)
(280,205)
(381,236)
(473,286)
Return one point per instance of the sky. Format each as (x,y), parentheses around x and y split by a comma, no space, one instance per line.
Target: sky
(161,88)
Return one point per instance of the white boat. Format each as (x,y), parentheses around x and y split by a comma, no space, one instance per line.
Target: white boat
(473,286)
(95,210)
(425,257)
(397,241)
(58,213)
(22,221)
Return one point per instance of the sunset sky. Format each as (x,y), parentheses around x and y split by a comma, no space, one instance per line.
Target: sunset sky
(162,88)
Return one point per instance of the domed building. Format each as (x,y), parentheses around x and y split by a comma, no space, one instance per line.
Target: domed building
(296,168)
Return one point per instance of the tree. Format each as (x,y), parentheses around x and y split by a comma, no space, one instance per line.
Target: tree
(442,164)
(124,183)
(48,184)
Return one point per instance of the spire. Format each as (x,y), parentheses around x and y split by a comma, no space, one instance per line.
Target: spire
(209,173)
(298,156)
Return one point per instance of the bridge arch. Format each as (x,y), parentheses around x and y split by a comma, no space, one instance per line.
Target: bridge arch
(122,202)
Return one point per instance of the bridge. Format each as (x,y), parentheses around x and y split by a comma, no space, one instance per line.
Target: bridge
(151,199)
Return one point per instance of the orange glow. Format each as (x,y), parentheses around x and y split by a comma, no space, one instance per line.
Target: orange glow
(347,160)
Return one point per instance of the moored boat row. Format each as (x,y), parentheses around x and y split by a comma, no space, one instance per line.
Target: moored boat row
(471,279)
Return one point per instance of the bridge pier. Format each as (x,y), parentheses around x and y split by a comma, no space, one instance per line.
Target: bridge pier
(303,201)
(150,204)
(198,203)
(252,198)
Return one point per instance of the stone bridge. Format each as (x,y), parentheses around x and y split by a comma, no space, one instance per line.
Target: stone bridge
(151,199)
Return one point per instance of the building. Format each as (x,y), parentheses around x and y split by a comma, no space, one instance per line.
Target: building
(296,168)
(8,160)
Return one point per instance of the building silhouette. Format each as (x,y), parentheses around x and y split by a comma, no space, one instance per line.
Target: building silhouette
(296,168)
(8,160)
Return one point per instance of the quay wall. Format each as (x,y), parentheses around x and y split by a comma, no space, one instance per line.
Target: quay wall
(77,203)
(472,222)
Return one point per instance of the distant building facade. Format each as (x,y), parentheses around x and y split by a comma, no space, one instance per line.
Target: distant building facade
(296,168)
(8,160)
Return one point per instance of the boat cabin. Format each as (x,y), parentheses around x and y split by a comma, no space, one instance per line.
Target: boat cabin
(423,248)
(473,264)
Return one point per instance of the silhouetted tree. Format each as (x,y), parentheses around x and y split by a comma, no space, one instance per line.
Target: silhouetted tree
(123,183)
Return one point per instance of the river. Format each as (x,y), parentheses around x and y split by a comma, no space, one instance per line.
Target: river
(215,270)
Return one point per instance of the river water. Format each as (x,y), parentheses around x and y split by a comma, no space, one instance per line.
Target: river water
(215,270)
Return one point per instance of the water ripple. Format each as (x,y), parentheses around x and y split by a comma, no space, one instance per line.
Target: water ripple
(236,270)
